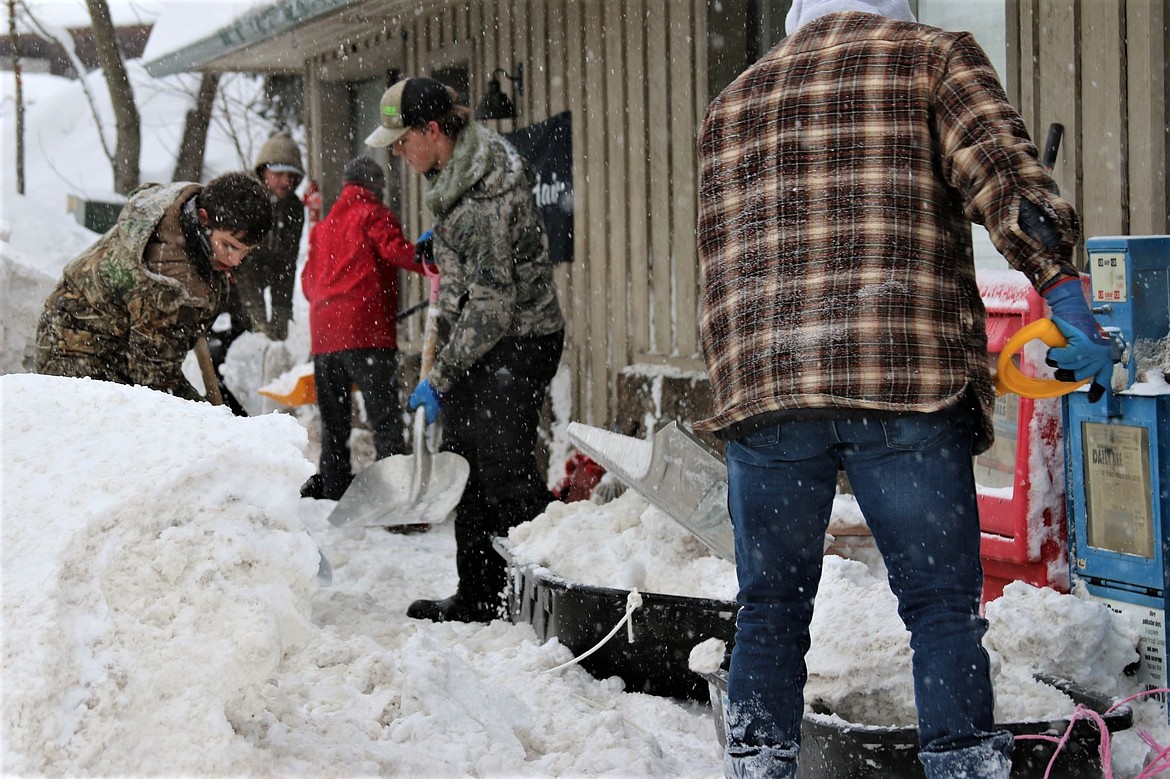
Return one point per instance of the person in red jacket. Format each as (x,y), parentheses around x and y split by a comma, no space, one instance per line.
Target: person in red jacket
(351,282)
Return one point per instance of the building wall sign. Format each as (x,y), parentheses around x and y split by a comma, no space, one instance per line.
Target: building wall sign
(548,146)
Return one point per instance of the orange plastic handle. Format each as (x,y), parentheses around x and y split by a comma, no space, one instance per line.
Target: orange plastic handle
(1008,377)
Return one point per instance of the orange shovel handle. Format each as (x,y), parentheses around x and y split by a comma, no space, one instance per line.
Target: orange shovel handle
(1008,377)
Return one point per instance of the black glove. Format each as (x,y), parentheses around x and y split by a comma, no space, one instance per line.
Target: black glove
(424,248)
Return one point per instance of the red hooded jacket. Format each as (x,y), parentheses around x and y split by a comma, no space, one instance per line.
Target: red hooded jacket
(351,275)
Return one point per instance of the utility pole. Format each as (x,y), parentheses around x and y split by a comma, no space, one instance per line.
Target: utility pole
(19,97)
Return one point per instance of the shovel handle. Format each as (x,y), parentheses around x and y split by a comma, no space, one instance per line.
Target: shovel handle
(431,333)
(207,369)
(1008,377)
(430,341)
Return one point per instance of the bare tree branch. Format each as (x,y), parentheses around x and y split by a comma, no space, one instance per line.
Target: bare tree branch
(126,118)
(19,96)
(189,166)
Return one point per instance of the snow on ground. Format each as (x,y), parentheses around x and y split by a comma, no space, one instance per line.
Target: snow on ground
(162,615)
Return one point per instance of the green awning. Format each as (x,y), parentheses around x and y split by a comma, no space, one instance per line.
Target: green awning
(260,26)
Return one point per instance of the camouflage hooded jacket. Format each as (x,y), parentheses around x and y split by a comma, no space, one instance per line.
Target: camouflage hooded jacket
(132,305)
(497,278)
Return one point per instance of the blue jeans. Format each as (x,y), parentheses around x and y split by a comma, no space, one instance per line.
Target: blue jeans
(913,481)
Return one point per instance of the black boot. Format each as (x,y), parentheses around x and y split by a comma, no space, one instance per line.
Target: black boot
(313,487)
(454,609)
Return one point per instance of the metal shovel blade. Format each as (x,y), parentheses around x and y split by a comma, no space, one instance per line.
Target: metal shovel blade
(674,471)
(404,489)
(324,570)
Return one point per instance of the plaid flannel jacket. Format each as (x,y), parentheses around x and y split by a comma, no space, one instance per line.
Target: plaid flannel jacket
(838,179)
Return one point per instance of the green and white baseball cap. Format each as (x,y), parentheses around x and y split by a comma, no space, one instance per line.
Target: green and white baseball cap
(409,103)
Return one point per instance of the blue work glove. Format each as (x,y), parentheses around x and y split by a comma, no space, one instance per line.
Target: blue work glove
(1089,353)
(424,248)
(428,397)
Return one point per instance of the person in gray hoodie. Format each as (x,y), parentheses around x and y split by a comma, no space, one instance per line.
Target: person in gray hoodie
(501,327)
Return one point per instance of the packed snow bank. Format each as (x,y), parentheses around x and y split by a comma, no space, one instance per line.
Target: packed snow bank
(140,613)
(31,261)
(161,616)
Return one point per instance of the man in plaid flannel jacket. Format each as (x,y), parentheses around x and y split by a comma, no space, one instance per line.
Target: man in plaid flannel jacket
(842,328)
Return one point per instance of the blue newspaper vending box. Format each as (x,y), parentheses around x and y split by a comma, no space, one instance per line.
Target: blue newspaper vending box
(1117,450)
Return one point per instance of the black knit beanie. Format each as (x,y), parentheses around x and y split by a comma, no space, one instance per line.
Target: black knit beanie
(365,172)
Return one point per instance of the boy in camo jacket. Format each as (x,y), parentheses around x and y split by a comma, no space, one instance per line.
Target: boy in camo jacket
(501,327)
(132,305)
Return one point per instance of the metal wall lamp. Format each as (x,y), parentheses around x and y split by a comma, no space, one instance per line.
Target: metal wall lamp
(496,104)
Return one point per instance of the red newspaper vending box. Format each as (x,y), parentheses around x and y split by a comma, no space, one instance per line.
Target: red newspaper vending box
(1021,478)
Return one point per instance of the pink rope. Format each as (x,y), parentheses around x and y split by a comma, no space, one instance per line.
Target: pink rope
(1157,765)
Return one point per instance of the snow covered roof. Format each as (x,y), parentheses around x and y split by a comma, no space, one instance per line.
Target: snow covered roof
(274,37)
(73,14)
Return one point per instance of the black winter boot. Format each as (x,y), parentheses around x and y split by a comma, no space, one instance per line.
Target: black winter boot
(454,609)
(313,487)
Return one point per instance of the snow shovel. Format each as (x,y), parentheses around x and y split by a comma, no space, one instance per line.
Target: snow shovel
(408,489)
(1008,377)
(675,471)
(298,387)
(303,391)
(207,370)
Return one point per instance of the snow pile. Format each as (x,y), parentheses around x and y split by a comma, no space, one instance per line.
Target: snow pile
(1062,635)
(864,674)
(161,615)
(626,544)
(859,666)
(30,266)
(139,618)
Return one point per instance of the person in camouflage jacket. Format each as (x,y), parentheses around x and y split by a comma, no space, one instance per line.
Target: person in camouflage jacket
(132,305)
(501,326)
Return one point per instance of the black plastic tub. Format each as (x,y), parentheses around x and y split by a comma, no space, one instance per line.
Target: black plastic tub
(666,628)
(833,749)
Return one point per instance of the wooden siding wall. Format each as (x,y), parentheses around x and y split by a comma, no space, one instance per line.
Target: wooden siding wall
(633,73)
(1099,68)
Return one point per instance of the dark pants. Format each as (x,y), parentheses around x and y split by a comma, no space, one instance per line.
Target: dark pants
(375,372)
(491,418)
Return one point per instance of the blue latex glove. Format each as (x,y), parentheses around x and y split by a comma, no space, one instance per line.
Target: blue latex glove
(1089,353)
(428,397)
(424,248)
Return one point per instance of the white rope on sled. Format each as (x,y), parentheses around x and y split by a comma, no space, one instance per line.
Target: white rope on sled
(633,601)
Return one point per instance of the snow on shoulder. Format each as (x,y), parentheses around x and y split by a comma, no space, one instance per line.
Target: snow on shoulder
(155,571)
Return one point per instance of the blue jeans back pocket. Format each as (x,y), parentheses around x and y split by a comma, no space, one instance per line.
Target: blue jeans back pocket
(919,431)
